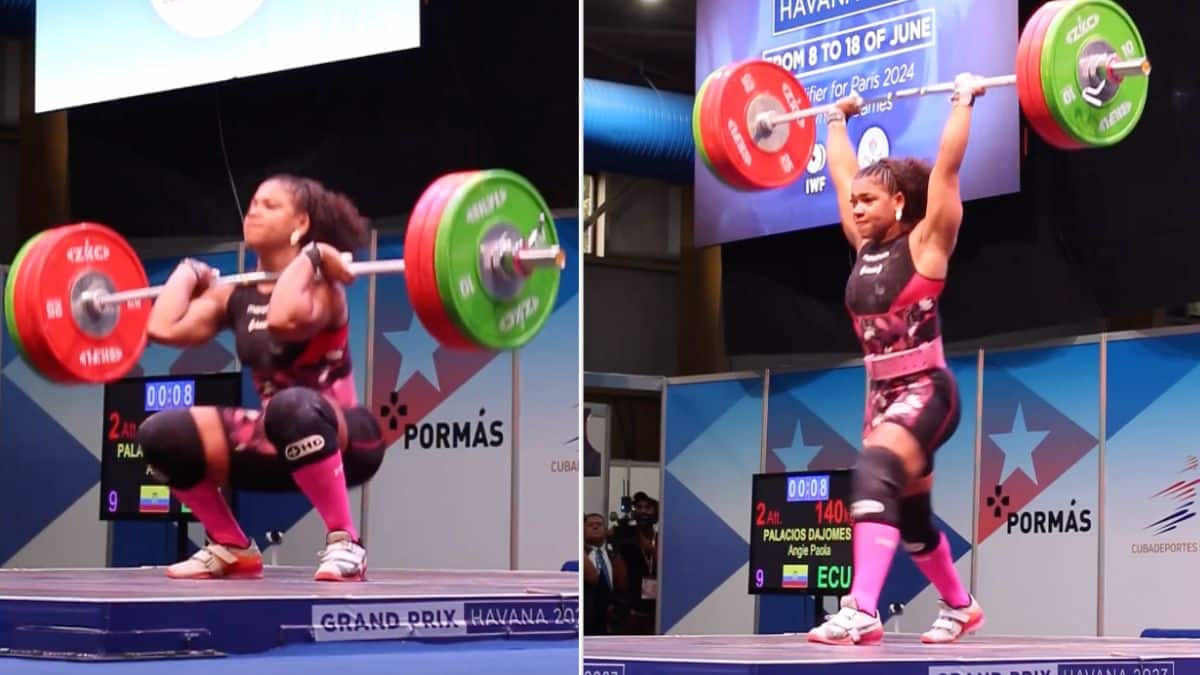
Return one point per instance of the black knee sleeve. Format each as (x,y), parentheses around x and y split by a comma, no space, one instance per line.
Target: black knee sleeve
(302,426)
(875,490)
(917,531)
(172,447)
(364,452)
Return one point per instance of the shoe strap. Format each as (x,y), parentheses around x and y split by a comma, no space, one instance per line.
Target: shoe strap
(343,551)
(951,619)
(215,558)
(844,620)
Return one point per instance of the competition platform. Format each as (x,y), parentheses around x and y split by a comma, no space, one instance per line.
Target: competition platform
(898,654)
(137,613)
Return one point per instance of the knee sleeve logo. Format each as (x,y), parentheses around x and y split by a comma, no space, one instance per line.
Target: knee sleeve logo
(305,446)
(865,507)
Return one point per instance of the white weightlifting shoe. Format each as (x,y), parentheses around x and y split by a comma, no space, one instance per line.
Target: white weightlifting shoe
(215,561)
(848,627)
(953,623)
(342,559)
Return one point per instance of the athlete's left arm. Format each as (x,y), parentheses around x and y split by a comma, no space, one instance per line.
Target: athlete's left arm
(302,304)
(944,209)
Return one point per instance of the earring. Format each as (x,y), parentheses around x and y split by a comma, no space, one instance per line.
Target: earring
(295,237)
(899,215)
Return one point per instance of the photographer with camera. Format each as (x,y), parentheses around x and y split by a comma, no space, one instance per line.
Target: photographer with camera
(635,539)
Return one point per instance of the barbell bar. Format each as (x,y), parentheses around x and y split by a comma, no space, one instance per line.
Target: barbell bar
(485,247)
(1081,75)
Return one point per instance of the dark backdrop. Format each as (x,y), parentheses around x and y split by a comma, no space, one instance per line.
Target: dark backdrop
(1092,234)
(493,85)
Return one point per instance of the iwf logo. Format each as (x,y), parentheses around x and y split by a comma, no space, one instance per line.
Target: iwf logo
(1180,497)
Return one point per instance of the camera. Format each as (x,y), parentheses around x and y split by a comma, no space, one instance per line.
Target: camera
(636,512)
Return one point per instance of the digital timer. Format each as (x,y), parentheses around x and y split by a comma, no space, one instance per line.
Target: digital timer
(801,533)
(167,394)
(810,488)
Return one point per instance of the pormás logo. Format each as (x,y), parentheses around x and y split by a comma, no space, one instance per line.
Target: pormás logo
(1039,521)
(485,432)
(1180,498)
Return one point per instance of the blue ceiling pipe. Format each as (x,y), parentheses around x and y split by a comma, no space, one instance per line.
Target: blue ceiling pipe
(637,131)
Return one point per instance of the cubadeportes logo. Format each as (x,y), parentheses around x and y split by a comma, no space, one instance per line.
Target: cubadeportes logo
(205,18)
(1181,495)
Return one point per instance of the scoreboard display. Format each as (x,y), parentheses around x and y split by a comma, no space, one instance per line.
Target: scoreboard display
(128,491)
(800,533)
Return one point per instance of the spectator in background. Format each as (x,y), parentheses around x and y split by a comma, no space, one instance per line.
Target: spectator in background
(604,576)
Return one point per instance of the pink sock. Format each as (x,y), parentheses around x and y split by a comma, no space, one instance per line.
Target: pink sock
(874,546)
(324,483)
(938,567)
(213,512)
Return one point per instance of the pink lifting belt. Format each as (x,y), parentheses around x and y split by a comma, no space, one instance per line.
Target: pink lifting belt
(927,356)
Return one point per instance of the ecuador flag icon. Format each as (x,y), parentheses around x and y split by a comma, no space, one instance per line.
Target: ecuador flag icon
(795,576)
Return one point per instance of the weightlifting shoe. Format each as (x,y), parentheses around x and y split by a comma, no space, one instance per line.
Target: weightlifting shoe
(953,623)
(848,627)
(342,559)
(216,561)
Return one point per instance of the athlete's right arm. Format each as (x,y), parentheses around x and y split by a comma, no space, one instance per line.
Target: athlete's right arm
(843,164)
(188,311)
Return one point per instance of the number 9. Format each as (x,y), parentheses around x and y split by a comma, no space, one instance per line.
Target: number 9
(758,578)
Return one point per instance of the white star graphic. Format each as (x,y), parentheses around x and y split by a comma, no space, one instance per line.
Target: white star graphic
(416,349)
(798,455)
(1018,446)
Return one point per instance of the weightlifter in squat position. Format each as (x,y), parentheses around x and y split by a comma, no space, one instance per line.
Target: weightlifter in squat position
(902,217)
(312,434)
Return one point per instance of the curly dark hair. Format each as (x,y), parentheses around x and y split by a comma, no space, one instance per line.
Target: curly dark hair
(333,217)
(906,175)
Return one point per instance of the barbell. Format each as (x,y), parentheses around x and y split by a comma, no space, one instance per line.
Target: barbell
(481,264)
(1081,79)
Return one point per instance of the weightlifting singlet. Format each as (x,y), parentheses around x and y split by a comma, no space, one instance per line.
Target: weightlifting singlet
(894,308)
(321,362)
